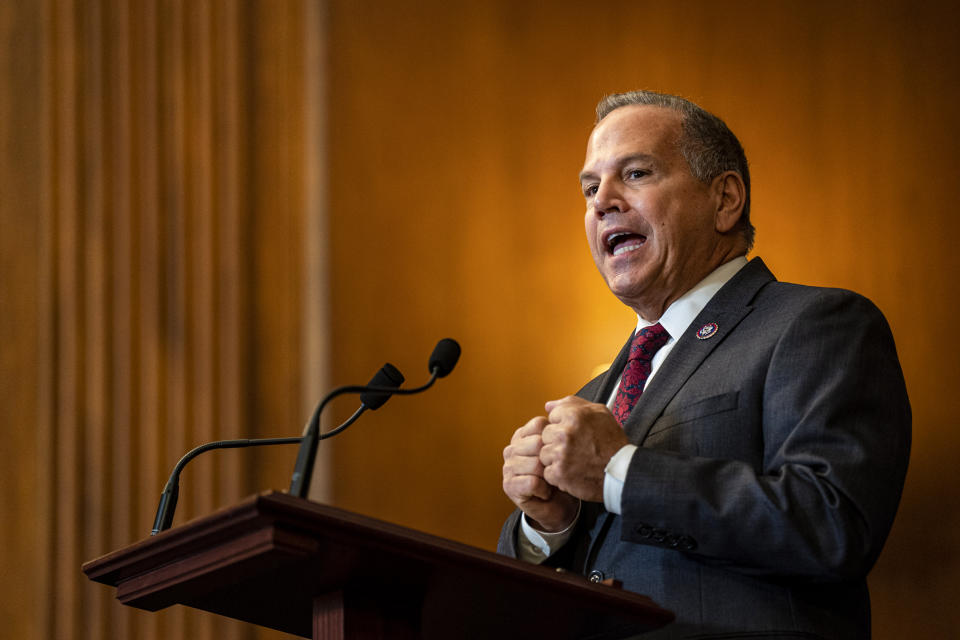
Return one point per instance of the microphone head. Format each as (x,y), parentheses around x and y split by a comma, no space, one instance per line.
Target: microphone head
(387,376)
(444,357)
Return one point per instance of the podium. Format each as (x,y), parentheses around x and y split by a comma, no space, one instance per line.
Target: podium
(319,572)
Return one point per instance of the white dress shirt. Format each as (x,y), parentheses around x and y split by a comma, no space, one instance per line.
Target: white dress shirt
(535,546)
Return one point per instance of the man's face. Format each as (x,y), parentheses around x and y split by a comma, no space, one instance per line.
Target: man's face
(650,224)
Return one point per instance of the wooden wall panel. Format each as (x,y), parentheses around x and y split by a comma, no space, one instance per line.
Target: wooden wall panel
(457,131)
(23,432)
(154,206)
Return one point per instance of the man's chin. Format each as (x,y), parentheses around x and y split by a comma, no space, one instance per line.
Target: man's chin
(630,296)
(627,285)
(636,293)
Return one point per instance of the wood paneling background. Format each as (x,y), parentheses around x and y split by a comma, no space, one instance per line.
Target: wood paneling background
(170,273)
(160,210)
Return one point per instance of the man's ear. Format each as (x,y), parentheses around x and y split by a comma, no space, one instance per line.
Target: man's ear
(732,194)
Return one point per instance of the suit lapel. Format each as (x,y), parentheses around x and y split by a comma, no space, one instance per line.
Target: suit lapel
(727,308)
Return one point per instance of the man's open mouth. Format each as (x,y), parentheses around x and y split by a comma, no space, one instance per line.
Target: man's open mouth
(624,241)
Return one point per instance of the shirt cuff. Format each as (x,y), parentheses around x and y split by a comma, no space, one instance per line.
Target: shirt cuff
(614,475)
(536,546)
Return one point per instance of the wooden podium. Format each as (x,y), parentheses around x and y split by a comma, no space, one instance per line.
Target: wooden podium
(315,571)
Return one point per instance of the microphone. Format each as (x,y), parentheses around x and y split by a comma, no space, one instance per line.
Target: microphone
(381,386)
(387,376)
(386,379)
(171,492)
(444,357)
(441,363)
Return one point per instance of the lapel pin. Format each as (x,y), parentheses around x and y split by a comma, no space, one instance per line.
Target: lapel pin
(707,331)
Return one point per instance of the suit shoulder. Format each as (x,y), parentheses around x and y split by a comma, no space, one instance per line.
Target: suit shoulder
(792,298)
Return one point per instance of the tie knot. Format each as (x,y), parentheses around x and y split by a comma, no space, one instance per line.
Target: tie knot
(647,342)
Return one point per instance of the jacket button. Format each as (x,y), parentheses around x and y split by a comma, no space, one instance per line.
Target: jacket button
(659,535)
(645,531)
(672,541)
(688,543)
(595,576)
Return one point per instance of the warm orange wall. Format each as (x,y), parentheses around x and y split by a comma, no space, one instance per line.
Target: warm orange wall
(457,131)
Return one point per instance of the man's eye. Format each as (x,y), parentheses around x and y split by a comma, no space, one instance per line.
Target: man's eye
(634,174)
(589,190)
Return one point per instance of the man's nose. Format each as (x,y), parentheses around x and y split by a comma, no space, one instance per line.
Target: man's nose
(608,199)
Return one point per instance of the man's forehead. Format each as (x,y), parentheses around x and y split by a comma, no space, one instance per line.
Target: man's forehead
(631,131)
(637,120)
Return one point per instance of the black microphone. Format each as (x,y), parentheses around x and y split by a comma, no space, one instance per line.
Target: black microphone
(382,385)
(171,492)
(387,378)
(441,363)
(444,357)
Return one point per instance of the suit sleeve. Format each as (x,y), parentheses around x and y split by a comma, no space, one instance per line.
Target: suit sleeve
(835,439)
(507,544)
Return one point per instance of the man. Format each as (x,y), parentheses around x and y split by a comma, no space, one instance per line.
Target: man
(742,460)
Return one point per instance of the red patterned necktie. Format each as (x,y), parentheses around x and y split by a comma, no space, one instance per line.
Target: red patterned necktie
(645,344)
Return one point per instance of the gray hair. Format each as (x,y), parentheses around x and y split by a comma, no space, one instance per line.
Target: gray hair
(707,144)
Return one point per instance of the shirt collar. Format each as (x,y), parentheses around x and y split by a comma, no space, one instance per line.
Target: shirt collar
(684,309)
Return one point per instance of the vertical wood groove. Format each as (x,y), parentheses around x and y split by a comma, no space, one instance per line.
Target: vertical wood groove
(230,221)
(45,612)
(200,249)
(119,114)
(174,260)
(96,469)
(149,283)
(316,273)
(68,320)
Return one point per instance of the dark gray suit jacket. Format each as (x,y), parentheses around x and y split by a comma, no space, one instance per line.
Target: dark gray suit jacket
(772,458)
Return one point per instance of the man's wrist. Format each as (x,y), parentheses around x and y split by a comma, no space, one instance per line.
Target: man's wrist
(614,477)
(545,542)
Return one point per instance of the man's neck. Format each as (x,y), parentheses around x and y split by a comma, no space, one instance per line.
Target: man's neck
(692,301)
(654,310)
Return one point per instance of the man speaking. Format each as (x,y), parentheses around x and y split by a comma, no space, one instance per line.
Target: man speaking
(742,460)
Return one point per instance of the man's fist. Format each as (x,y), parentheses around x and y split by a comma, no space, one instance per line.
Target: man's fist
(578,441)
(548,508)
